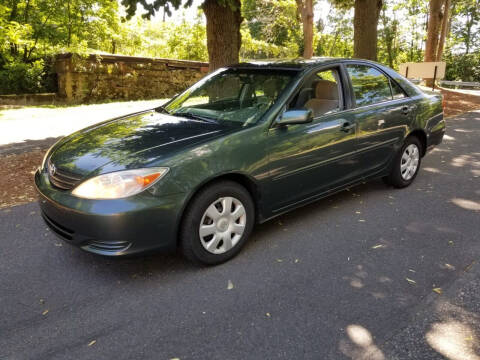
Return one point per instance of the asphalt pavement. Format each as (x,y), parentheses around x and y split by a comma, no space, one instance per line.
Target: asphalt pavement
(370,273)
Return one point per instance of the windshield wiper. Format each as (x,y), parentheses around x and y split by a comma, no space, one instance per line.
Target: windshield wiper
(196,117)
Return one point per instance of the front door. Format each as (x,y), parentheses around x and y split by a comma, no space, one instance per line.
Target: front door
(310,159)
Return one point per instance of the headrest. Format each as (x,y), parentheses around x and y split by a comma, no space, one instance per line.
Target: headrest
(327,90)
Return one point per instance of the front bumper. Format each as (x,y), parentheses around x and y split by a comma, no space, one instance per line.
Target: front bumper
(111,227)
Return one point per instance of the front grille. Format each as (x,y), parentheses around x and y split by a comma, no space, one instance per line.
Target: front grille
(60,178)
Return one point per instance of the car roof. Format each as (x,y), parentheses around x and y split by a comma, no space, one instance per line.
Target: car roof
(300,65)
(293,64)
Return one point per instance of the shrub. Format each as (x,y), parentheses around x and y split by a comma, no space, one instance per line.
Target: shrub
(22,78)
(463,67)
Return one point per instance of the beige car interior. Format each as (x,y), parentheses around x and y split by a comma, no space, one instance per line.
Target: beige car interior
(326,98)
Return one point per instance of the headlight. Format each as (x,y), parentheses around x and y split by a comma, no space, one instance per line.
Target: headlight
(119,184)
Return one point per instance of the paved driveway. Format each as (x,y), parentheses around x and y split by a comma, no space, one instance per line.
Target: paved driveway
(338,279)
(37,123)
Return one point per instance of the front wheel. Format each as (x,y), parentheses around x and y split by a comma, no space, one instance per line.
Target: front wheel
(406,163)
(217,223)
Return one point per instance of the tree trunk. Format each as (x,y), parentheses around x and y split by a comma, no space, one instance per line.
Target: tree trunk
(365,23)
(444,31)
(305,8)
(223,33)
(433,32)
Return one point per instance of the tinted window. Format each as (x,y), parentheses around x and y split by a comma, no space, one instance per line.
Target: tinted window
(370,86)
(397,90)
(321,93)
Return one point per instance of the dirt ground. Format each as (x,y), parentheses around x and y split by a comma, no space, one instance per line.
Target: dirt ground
(16,170)
(457,102)
(16,177)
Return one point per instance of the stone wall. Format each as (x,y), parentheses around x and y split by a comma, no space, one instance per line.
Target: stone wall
(98,78)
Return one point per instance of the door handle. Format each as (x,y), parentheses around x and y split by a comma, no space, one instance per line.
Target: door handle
(405,110)
(347,127)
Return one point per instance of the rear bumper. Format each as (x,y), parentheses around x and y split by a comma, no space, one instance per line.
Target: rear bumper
(111,227)
(436,133)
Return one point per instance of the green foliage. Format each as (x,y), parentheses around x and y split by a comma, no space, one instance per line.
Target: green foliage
(338,40)
(466,25)
(33,31)
(463,67)
(273,21)
(19,77)
(260,49)
(140,37)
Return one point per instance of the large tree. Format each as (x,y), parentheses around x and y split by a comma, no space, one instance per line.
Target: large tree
(223,25)
(305,9)
(435,16)
(438,13)
(365,23)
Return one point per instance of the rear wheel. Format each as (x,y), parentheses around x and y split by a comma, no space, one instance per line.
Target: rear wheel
(406,163)
(217,223)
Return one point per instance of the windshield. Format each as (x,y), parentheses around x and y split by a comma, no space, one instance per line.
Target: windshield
(238,95)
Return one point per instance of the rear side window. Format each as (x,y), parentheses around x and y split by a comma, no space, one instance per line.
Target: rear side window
(370,86)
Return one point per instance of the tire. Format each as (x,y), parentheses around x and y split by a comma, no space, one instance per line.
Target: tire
(401,174)
(210,234)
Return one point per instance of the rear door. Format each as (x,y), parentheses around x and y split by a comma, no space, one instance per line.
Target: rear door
(382,113)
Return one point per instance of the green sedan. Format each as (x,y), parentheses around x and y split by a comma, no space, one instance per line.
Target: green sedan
(243,145)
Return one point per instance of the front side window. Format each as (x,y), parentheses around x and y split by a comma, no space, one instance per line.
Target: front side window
(320,93)
(370,86)
(232,95)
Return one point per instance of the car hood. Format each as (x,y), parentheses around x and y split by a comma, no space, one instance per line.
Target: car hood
(131,141)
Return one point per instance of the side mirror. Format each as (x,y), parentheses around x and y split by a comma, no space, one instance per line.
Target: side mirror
(291,117)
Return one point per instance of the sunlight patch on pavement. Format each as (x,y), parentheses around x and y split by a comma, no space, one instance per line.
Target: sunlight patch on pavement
(467,204)
(37,123)
(360,344)
(454,340)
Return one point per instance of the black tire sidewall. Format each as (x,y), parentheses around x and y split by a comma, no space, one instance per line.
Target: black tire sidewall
(395,177)
(189,237)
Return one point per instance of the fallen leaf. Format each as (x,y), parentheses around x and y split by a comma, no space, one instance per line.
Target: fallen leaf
(449,267)
(230,285)
(437,290)
(267,314)
(467,269)
(92,342)
(296,261)
(450,242)
(357,212)
(279,260)
(45,312)
(411,281)
(378,246)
